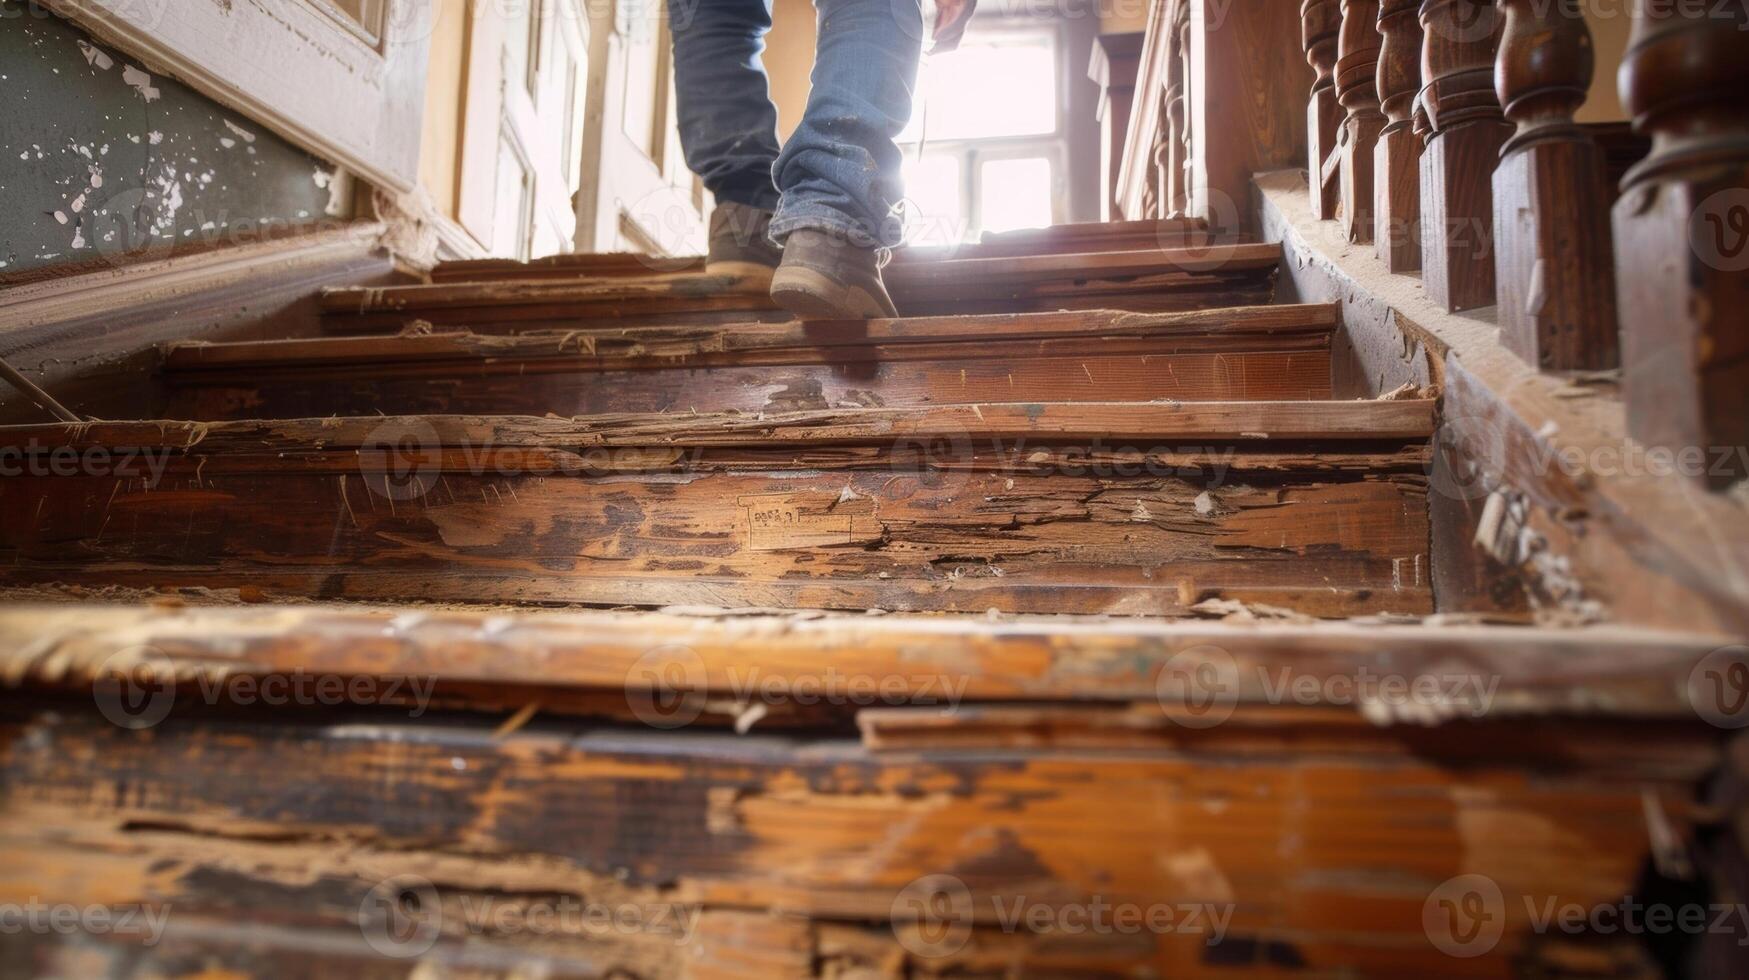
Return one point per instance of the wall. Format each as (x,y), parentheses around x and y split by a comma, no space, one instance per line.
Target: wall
(789,60)
(102,163)
(1609,36)
(440,140)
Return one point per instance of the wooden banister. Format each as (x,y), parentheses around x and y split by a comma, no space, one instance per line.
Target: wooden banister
(1357,88)
(1397,156)
(1466,131)
(1554,262)
(1320,30)
(1682,234)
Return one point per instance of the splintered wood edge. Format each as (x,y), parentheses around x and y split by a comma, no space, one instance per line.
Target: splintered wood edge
(1603,671)
(1224,422)
(1260,326)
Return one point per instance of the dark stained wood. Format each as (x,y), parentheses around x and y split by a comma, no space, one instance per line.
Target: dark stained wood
(1606,672)
(1466,131)
(1115,508)
(1397,155)
(1141,235)
(1244,354)
(1153,280)
(1250,118)
(1321,26)
(1358,90)
(1554,258)
(1682,233)
(220,815)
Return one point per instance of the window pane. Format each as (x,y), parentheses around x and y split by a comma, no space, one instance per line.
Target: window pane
(936,212)
(1002,86)
(1015,193)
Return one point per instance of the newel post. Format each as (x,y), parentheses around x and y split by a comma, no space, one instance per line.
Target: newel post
(1554,260)
(1357,88)
(1682,234)
(1320,27)
(1466,131)
(1397,157)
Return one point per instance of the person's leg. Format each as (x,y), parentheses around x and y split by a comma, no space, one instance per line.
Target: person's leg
(728,126)
(727,123)
(839,172)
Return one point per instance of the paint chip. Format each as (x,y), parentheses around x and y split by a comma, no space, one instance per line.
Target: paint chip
(140,82)
(95,57)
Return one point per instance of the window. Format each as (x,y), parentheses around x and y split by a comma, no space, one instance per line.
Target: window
(986,146)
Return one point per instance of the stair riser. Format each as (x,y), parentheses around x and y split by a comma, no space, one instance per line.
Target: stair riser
(538,386)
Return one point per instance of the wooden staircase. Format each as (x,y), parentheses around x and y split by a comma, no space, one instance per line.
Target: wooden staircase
(1180,651)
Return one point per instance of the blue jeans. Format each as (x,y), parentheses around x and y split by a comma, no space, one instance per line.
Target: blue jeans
(839,172)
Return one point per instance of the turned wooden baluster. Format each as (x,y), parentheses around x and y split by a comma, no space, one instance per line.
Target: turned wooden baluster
(1682,235)
(1357,88)
(1183,189)
(1553,259)
(1466,131)
(1397,156)
(1320,29)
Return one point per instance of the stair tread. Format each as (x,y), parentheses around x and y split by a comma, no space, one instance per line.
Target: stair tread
(1252,422)
(1156,279)
(1616,671)
(1080,237)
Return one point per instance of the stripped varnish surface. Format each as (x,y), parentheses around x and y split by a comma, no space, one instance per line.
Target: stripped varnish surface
(1123,508)
(1242,354)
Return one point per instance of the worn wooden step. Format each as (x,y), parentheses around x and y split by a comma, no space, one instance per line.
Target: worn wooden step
(1041,507)
(262,817)
(1111,236)
(1245,354)
(1145,281)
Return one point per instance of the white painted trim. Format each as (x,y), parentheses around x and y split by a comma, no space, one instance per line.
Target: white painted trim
(291,66)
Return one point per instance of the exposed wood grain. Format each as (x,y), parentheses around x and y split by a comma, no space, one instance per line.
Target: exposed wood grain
(1060,508)
(827,829)
(1357,89)
(1320,30)
(1255,353)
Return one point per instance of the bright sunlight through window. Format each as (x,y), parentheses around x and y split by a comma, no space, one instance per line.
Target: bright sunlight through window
(988,120)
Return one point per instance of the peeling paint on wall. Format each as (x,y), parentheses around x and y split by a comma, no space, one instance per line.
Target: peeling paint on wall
(103,162)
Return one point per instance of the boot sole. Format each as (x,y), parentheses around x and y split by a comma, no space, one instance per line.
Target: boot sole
(812,296)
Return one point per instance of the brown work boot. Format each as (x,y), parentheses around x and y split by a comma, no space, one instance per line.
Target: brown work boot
(825,277)
(740,243)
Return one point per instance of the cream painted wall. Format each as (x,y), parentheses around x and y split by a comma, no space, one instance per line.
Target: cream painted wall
(789,60)
(1609,33)
(440,142)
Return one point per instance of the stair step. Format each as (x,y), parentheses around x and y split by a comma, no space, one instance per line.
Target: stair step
(1160,280)
(1244,354)
(1142,509)
(293,817)
(1113,236)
